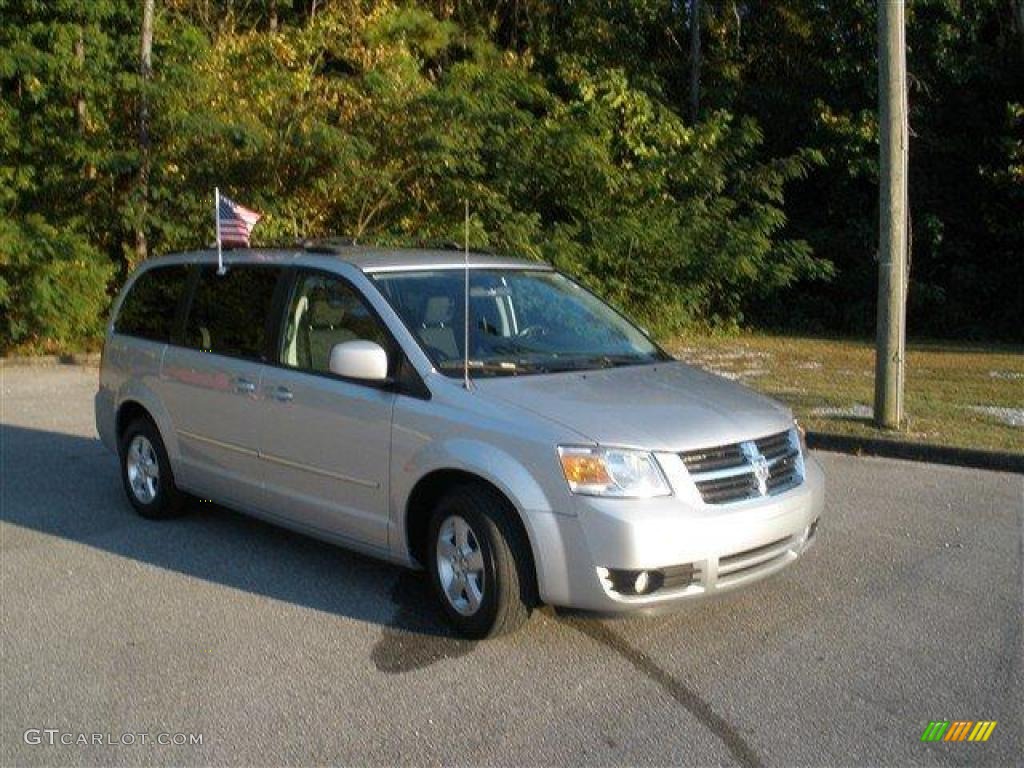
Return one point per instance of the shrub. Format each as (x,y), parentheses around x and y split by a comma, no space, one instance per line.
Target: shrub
(53,286)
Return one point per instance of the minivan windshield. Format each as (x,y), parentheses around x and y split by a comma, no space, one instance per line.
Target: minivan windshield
(522,321)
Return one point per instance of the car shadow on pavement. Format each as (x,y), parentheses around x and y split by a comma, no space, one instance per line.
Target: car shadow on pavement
(68,486)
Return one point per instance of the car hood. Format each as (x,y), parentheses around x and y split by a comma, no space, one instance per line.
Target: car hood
(663,407)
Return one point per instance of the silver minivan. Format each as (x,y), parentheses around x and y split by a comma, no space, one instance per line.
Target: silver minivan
(545,451)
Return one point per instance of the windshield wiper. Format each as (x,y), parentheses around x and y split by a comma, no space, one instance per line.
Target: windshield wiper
(498,366)
(614,361)
(504,367)
(591,362)
(550,365)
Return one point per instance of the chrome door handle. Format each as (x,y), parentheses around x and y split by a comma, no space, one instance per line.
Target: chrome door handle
(244,386)
(283,395)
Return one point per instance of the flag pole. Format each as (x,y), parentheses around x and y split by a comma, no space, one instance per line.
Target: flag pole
(216,219)
(465,324)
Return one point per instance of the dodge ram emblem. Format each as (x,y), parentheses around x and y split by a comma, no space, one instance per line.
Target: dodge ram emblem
(761,473)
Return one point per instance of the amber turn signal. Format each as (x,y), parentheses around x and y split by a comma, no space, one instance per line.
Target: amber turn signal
(584,469)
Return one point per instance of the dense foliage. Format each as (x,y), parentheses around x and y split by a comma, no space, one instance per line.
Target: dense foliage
(566,124)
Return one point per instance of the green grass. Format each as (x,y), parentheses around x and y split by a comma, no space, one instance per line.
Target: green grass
(953,390)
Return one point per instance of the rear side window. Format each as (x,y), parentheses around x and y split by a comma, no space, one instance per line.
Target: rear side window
(149,309)
(229,313)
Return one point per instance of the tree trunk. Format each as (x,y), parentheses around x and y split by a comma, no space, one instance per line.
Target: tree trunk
(80,94)
(146,76)
(739,22)
(1018,8)
(81,111)
(694,59)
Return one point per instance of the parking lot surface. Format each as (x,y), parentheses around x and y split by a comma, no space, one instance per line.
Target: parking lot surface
(277,649)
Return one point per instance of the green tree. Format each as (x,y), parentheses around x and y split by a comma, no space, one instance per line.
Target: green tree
(56,199)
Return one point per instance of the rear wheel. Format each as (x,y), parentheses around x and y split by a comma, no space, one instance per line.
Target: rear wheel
(146,472)
(479,563)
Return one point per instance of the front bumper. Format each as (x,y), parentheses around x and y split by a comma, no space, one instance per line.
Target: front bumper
(728,546)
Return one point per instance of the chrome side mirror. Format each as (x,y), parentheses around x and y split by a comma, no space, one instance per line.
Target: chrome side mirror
(361,359)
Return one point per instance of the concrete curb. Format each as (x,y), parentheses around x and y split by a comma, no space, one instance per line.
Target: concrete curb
(38,361)
(999,461)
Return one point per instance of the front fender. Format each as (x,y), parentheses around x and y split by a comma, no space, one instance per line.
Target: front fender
(495,465)
(546,517)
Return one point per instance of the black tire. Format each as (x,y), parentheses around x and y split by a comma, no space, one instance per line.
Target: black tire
(509,589)
(167,501)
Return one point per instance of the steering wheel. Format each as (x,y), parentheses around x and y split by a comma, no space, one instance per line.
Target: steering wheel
(532,331)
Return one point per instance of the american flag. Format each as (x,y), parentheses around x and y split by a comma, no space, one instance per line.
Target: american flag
(235,222)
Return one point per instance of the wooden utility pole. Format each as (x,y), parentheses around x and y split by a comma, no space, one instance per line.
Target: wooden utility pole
(890,355)
(146,75)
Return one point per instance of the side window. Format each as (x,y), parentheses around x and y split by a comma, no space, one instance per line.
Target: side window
(149,309)
(325,311)
(229,312)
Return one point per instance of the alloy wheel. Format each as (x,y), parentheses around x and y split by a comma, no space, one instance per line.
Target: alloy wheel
(460,565)
(143,469)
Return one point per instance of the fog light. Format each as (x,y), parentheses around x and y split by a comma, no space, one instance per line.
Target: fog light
(630,582)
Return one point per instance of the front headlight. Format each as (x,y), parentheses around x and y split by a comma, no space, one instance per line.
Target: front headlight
(612,472)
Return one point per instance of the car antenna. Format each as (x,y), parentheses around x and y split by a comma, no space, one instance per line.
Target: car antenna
(465,306)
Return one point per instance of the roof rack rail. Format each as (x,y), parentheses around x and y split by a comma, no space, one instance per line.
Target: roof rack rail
(329,244)
(451,245)
(440,245)
(338,244)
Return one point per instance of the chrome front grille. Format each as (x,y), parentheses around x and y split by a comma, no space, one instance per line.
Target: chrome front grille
(722,490)
(784,473)
(729,473)
(774,446)
(711,459)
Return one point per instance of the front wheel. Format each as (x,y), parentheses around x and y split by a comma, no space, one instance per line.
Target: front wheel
(479,563)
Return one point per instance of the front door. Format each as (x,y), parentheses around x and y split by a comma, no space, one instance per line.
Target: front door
(325,441)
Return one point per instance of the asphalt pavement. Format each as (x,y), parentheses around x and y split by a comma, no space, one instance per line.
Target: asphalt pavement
(275,649)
